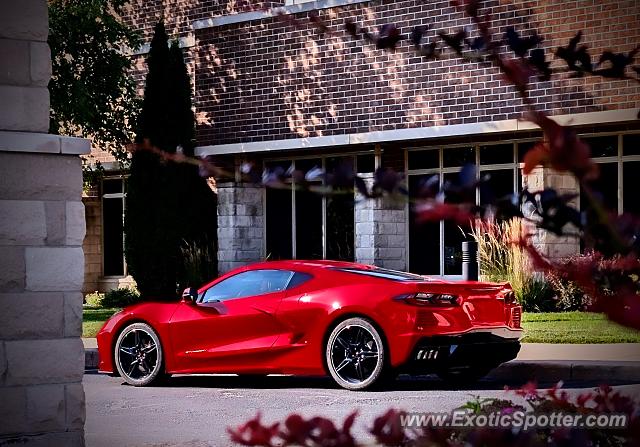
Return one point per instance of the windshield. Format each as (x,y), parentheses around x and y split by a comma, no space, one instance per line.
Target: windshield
(378,272)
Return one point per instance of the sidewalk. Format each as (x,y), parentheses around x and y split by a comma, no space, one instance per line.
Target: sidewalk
(620,352)
(540,361)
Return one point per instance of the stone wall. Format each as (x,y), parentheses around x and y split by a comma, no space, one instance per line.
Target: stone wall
(41,232)
(549,244)
(380,232)
(240,225)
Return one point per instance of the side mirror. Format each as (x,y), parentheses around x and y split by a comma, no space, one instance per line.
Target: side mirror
(190,295)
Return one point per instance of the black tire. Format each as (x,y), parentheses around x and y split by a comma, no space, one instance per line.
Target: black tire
(138,355)
(355,354)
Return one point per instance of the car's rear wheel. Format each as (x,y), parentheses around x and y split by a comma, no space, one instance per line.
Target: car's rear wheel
(138,355)
(355,354)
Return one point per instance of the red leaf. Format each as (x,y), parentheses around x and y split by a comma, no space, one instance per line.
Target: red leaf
(430,210)
(564,151)
(528,390)
(253,433)
(348,422)
(623,307)
(470,6)
(387,428)
(517,72)
(297,430)
(538,155)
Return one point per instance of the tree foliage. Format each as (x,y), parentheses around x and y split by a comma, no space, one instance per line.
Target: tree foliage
(169,206)
(92,92)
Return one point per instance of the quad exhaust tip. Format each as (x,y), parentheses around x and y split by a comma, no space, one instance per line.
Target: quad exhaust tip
(427,354)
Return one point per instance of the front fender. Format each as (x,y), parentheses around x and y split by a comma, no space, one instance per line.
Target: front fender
(156,315)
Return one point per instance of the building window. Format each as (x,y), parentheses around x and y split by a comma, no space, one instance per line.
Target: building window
(305,225)
(113,205)
(435,248)
(618,160)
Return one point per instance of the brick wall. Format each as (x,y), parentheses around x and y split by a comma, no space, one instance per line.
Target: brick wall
(266,80)
(178,15)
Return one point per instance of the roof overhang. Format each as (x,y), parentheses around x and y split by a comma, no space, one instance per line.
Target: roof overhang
(416,133)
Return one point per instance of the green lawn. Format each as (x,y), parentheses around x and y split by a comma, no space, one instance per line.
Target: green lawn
(93,319)
(574,327)
(556,327)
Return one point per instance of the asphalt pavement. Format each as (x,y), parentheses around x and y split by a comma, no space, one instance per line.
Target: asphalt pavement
(195,411)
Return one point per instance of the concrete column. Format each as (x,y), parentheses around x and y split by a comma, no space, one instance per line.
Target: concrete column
(42,228)
(240,225)
(380,231)
(550,245)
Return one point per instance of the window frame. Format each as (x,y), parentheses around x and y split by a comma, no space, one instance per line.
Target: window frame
(619,159)
(293,160)
(119,195)
(517,166)
(441,171)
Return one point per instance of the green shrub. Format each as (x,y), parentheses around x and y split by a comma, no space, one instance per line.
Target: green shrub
(93,299)
(120,297)
(569,296)
(537,295)
(199,263)
(167,202)
(501,260)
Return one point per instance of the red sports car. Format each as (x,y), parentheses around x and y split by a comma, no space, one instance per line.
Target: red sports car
(359,323)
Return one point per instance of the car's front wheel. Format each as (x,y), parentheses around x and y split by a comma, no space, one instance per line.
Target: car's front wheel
(355,354)
(138,355)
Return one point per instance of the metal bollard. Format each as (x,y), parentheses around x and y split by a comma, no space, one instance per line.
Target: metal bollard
(470,261)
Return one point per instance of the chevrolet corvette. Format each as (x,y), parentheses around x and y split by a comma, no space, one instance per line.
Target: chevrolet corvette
(357,323)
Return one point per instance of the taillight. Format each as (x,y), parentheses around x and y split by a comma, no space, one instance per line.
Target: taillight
(430,299)
(516,316)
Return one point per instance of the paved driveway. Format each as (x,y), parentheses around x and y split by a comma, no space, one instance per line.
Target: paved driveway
(195,411)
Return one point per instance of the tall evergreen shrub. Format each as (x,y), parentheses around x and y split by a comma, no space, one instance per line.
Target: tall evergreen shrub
(168,204)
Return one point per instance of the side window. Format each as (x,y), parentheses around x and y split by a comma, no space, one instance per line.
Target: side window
(298,279)
(250,283)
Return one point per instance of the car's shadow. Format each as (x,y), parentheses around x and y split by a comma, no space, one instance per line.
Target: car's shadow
(402,383)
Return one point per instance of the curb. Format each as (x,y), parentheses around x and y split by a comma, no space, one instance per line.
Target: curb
(553,371)
(541,371)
